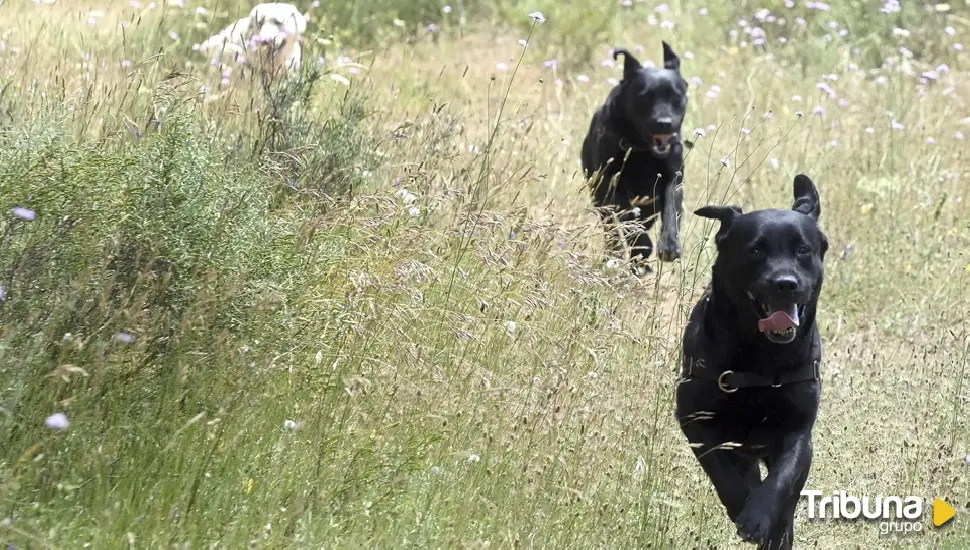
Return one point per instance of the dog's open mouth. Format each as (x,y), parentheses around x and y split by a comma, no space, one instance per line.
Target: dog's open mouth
(660,144)
(778,323)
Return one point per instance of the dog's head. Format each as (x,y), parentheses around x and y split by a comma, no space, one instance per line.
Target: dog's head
(651,101)
(769,263)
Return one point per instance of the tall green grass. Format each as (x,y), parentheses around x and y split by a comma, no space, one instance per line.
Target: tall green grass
(294,313)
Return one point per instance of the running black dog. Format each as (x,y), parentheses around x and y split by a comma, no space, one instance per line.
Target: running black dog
(636,134)
(751,383)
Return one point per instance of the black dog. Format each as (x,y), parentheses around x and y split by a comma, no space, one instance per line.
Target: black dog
(636,134)
(751,384)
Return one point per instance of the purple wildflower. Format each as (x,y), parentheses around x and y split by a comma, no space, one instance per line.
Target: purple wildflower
(57,421)
(24,213)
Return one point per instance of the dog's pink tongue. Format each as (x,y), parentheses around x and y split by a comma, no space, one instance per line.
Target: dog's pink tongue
(779,321)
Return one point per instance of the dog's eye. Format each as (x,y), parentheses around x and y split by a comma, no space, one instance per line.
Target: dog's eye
(803,249)
(756,251)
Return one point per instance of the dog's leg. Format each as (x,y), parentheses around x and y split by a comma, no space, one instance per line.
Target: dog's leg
(783,535)
(640,244)
(668,249)
(787,473)
(610,223)
(734,477)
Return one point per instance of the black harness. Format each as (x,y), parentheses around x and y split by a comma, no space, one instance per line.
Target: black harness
(730,381)
(626,145)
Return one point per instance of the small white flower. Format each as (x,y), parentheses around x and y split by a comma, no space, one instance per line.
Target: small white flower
(699,132)
(871,131)
(641,465)
(582,78)
(414,211)
(510,327)
(57,421)
(124,337)
(774,163)
(446,10)
(292,425)
(538,17)
(473,458)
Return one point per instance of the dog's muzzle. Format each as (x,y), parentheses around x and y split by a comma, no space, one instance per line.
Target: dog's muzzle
(661,144)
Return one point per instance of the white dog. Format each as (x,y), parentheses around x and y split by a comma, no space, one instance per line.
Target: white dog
(272,32)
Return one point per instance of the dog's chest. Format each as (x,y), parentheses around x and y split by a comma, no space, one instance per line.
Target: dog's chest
(644,175)
(761,413)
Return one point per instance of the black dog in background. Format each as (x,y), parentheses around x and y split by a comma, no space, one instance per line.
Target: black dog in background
(751,384)
(642,118)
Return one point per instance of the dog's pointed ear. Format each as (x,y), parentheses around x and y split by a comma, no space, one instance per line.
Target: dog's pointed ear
(806,197)
(671,61)
(631,65)
(723,214)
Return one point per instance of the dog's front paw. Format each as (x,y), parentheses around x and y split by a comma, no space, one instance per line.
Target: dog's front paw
(756,520)
(668,251)
(640,270)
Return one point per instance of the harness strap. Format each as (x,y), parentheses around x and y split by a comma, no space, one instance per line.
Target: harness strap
(730,381)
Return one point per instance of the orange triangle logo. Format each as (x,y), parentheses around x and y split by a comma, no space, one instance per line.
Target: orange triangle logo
(942,512)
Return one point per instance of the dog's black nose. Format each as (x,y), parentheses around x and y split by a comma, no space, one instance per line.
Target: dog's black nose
(785,283)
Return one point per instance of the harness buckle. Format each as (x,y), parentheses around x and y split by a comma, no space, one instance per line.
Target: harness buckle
(722,385)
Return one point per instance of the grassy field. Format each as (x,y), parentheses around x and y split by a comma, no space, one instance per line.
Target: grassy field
(303,313)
